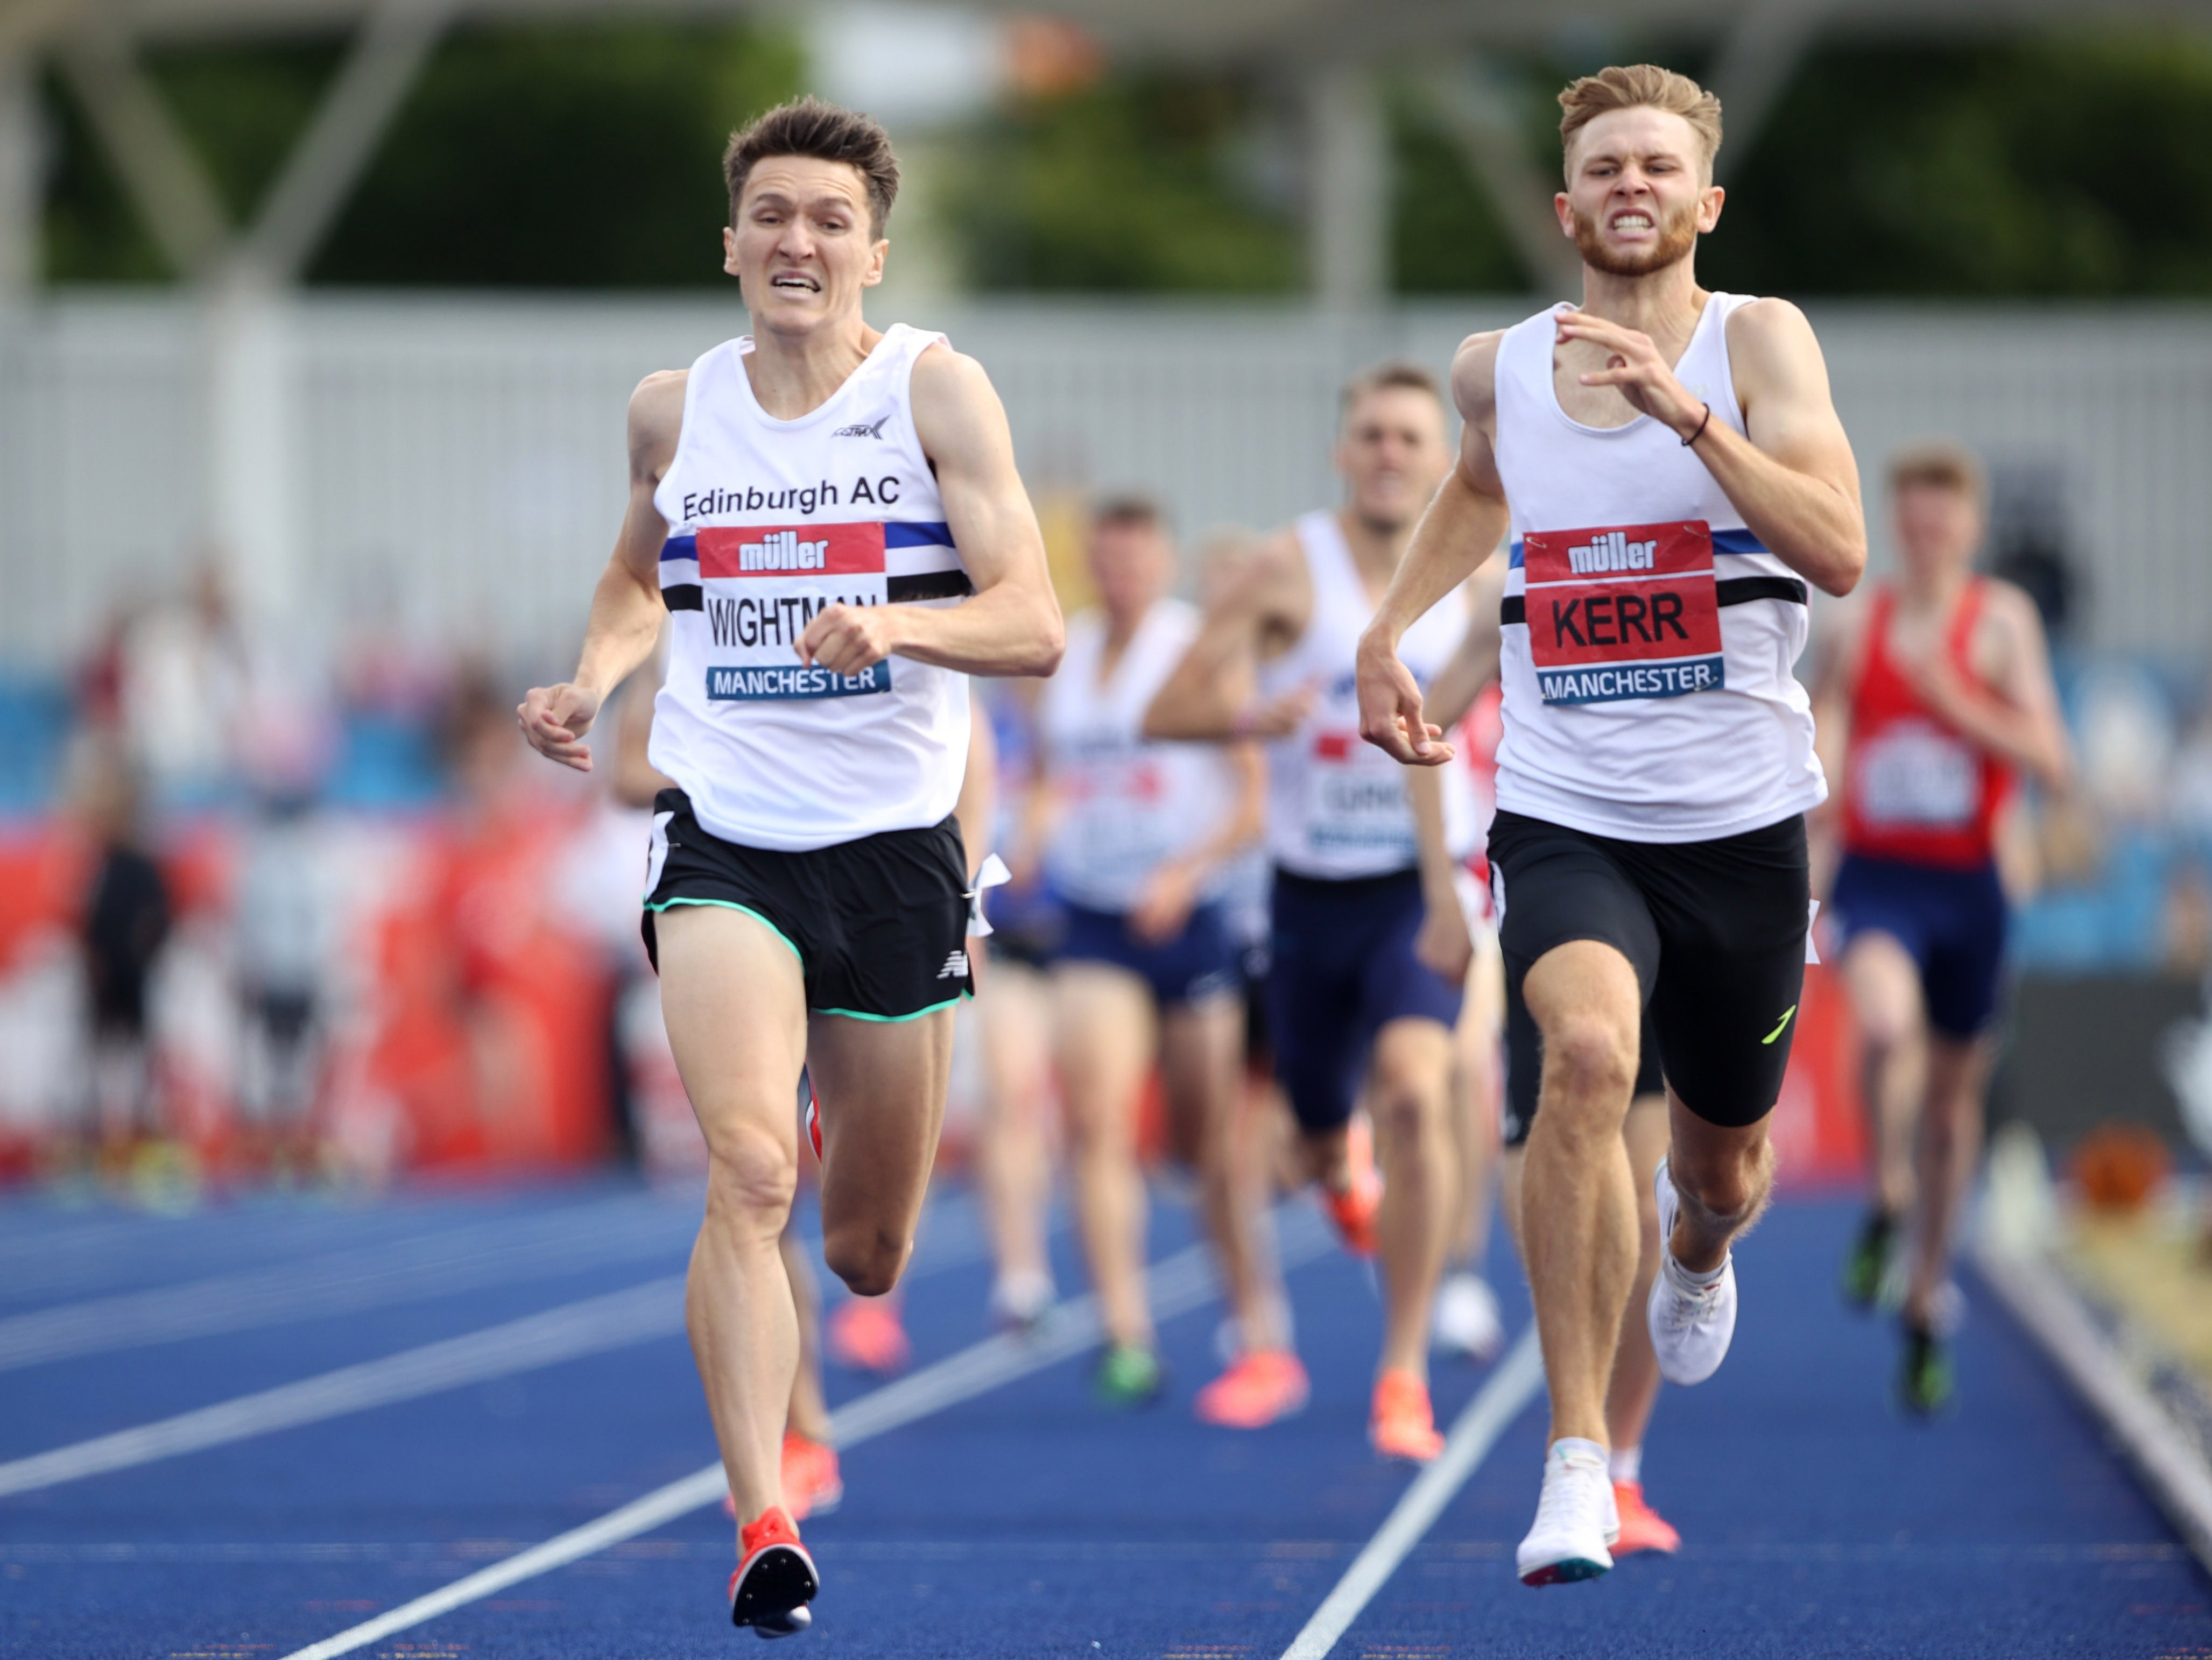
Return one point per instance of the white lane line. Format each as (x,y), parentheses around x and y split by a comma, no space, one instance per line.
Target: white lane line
(1178,1284)
(1484,1417)
(614,1321)
(569,1332)
(345,1282)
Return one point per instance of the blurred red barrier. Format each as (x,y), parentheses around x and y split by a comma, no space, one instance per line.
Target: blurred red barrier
(1819,1130)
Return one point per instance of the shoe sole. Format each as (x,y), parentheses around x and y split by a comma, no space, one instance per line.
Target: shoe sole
(1568,1571)
(773,1589)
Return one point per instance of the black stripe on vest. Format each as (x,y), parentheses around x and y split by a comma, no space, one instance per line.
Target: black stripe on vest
(1736,591)
(681,597)
(930,584)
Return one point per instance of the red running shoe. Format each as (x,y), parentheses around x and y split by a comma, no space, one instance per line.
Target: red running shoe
(1642,1527)
(1352,1207)
(811,1485)
(1403,1425)
(1264,1387)
(866,1333)
(775,1578)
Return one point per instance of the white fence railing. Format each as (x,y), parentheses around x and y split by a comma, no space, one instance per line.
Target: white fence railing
(461,458)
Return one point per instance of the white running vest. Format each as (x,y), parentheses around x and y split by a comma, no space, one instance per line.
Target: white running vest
(1645,658)
(1336,805)
(1126,803)
(769,521)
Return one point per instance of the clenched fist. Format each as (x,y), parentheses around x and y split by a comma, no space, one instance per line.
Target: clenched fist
(555,718)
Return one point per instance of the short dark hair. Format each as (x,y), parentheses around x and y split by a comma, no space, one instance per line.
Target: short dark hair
(1129,510)
(829,132)
(1399,374)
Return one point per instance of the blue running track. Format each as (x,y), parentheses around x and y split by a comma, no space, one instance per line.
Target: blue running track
(1024,1522)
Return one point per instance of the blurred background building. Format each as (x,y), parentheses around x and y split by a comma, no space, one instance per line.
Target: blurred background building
(317,318)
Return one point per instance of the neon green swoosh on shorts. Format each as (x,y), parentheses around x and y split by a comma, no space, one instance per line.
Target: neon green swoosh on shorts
(1779,1024)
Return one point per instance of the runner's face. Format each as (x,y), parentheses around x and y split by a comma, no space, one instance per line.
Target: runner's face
(1636,199)
(1131,566)
(803,247)
(1939,529)
(1392,454)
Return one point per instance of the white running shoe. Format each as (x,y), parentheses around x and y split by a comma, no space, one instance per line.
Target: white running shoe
(1466,1321)
(1020,1300)
(1691,1325)
(1576,1519)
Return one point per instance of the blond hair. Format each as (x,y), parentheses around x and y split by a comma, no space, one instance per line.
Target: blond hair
(1939,463)
(1641,86)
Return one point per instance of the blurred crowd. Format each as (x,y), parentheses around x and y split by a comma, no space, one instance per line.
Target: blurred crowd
(263,920)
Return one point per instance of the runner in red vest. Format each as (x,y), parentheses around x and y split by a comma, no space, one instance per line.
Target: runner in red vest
(1938,693)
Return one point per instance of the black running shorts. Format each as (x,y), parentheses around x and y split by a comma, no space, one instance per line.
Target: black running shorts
(1715,930)
(879,925)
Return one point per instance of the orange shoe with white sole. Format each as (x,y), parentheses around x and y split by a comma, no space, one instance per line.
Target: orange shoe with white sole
(775,1577)
(1642,1528)
(866,1333)
(1403,1425)
(1263,1387)
(811,1485)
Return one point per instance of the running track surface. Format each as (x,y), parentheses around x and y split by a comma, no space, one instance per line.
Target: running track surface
(1023,1523)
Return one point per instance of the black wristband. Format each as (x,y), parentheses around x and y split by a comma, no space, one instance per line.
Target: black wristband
(1700,433)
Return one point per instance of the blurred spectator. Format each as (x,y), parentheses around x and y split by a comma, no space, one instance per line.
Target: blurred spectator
(183,687)
(282,929)
(126,920)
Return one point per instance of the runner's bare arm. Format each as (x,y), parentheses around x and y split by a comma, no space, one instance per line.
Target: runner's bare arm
(1840,648)
(1211,695)
(1793,479)
(1011,624)
(1444,942)
(978,803)
(2016,717)
(1474,664)
(1460,528)
(626,608)
(1171,893)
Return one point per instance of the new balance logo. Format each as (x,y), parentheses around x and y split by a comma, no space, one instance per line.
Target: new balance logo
(1611,551)
(955,968)
(861,429)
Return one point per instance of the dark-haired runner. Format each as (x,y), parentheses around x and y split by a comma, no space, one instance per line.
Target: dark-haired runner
(830,520)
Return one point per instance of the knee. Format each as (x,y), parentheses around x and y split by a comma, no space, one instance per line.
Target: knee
(867,1258)
(1588,1059)
(752,1171)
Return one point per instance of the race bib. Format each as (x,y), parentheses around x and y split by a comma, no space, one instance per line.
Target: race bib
(1626,612)
(1356,799)
(762,586)
(1914,774)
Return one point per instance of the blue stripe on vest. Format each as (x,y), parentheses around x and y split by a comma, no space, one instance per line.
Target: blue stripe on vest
(684,546)
(1724,542)
(918,534)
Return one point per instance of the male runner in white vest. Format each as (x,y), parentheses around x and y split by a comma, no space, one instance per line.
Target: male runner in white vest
(830,520)
(1669,465)
(1353,1006)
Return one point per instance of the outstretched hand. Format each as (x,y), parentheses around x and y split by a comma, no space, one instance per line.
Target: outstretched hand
(1635,364)
(1390,715)
(555,718)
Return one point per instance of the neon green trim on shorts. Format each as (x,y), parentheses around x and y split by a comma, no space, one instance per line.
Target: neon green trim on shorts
(745,910)
(894,1020)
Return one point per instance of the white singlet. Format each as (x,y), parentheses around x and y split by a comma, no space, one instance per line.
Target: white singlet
(1648,691)
(1126,804)
(1337,807)
(769,521)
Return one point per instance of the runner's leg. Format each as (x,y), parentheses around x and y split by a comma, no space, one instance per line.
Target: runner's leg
(1634,1390)
(735,1009)
(810,1413)
(1013,1170)
(1884,986)
(1202,1066)
(1724,1175)
(881,1085)
(1578,1202)
(1950,1144)
(1410,1098)
(1105,1036)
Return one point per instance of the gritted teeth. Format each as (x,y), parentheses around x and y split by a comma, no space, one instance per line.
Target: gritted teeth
(1632,222)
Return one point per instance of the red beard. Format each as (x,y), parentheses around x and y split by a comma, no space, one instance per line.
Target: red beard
(1677,234)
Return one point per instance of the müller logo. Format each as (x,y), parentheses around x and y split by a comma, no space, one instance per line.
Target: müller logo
(1611,550)
(781,550)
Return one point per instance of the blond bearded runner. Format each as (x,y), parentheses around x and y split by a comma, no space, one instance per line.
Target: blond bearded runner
(829,520)
(1672,472)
